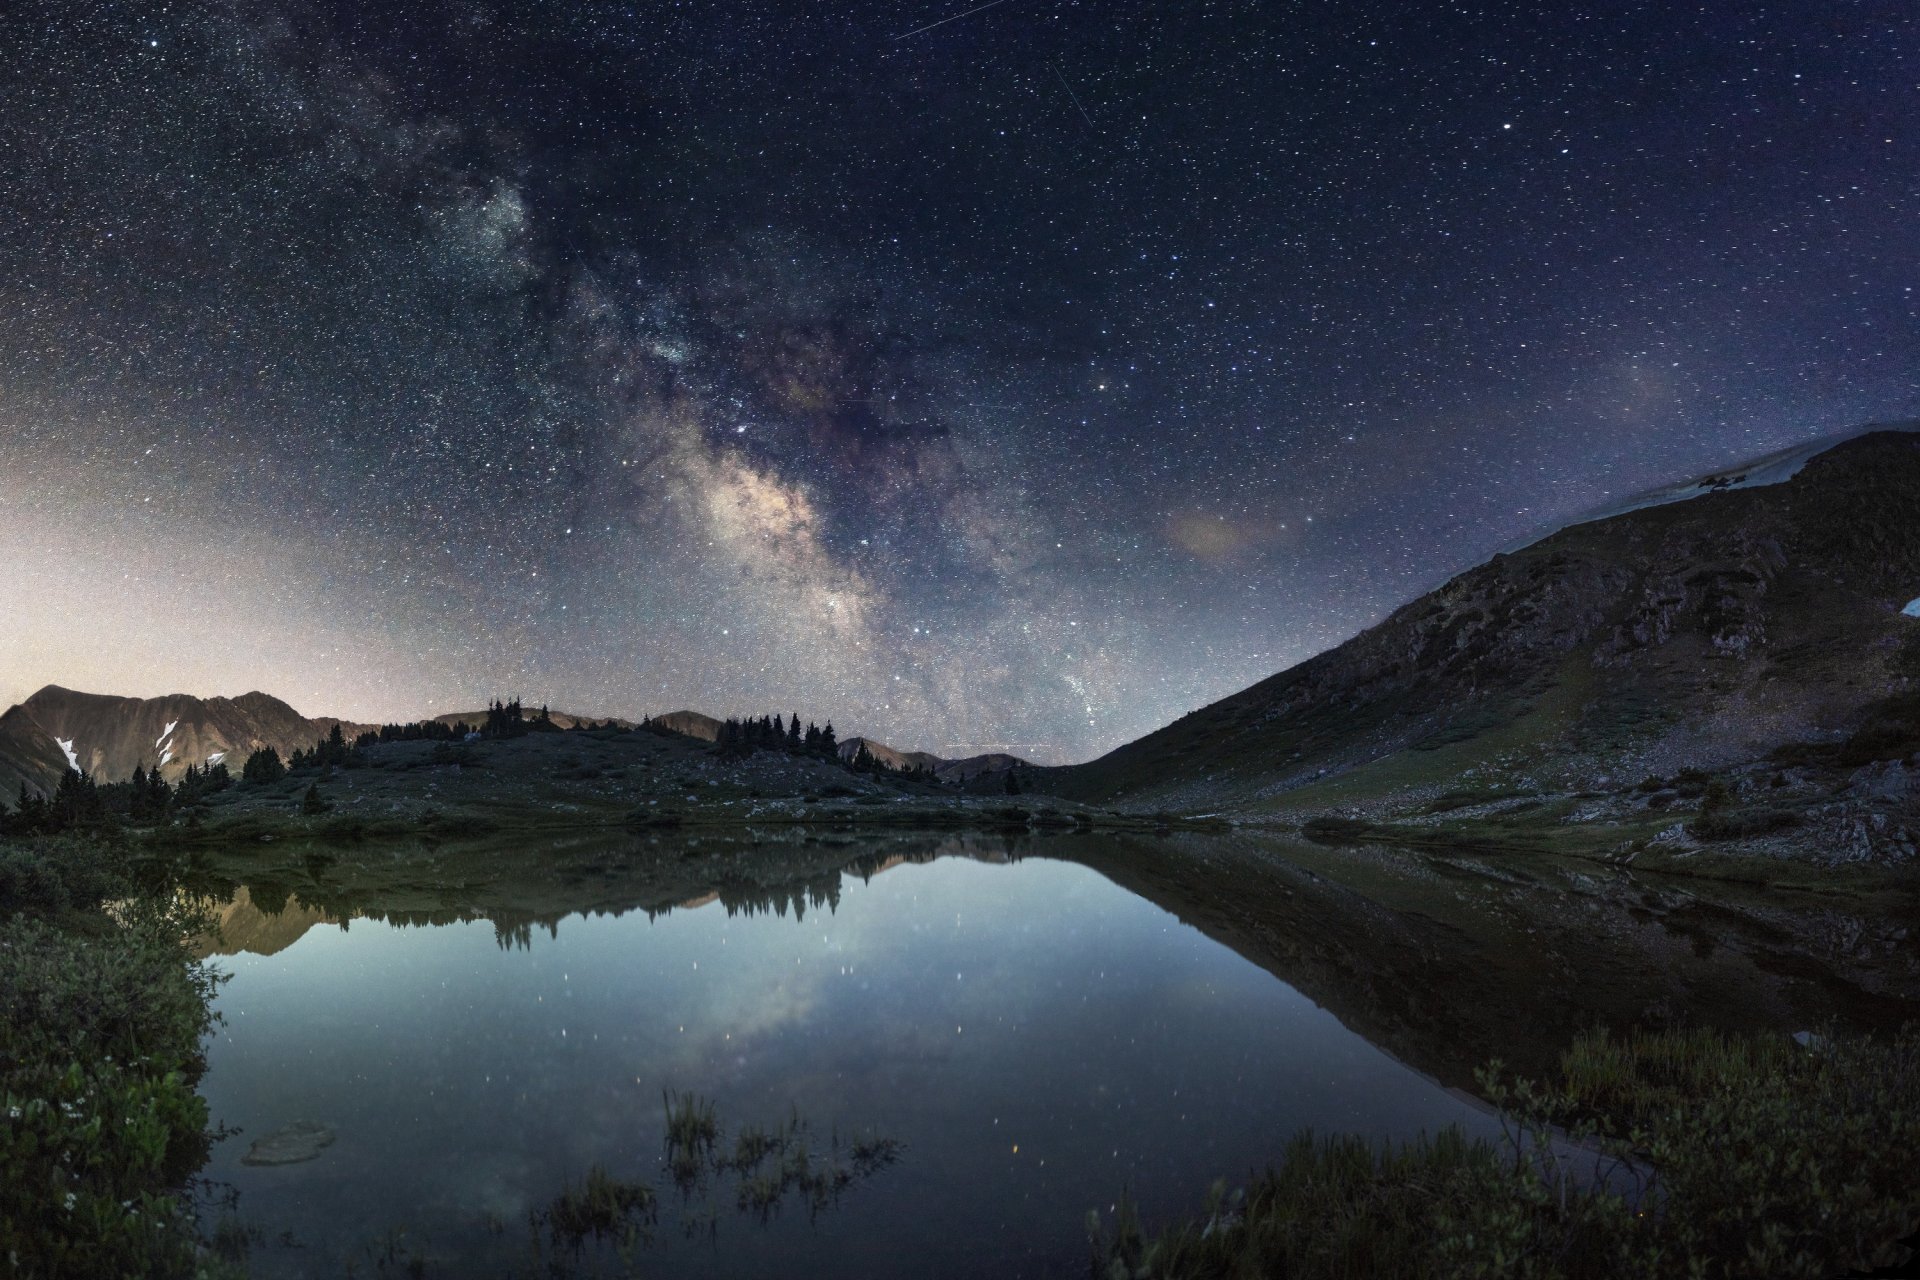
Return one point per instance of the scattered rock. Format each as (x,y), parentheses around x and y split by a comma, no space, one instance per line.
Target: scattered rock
(300,1141)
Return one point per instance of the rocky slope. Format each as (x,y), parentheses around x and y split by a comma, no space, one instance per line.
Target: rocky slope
(692,723)
(707,729)
(1691,635)
(109,736)
(905,761)
(561,719)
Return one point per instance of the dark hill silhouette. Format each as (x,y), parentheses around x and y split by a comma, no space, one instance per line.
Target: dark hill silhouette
(1695,633)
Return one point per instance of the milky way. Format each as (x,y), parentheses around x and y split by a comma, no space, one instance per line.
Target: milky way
(1021,382)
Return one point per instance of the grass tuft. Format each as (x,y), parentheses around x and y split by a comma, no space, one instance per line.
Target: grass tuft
(1687,1153)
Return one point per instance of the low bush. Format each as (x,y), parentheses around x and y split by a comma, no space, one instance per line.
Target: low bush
(1891,731)
(1742,823)
(55,874)
(101,1022)
(1712,1156)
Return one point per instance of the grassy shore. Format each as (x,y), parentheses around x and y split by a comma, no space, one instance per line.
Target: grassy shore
(1681,1153)
(1751,1154)
(102,1014)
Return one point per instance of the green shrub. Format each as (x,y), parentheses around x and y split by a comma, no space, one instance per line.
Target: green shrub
(55,874)
(101,1022)
(313,803)
(1891,731)
(1729,1156)
(1721,825)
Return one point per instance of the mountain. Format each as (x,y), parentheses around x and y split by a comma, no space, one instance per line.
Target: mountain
(905,761)
(706,728)
(109,736)
(1776,606)
(691,723)
(968,768)
(561,719)
(27,754)
(943,769)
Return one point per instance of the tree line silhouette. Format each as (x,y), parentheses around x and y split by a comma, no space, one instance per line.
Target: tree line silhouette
(739,738)
(80,800)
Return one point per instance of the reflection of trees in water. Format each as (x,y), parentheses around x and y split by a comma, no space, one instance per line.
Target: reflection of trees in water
(747,877)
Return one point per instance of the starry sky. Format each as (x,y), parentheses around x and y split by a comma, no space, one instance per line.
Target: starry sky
(1016,379)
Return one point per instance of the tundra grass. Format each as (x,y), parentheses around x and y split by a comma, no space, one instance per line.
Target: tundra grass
(1704,1155)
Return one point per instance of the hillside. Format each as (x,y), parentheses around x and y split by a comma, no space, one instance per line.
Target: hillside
(561,719)
(1691,635)
(644,779)
(109,736)
(691,723)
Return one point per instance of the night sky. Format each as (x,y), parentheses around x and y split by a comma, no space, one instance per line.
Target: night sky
(1020,383)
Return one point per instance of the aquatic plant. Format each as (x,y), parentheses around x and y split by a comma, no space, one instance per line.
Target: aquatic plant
(761,1194)
(692,1132)
(754,1144)
(602,1208)
(1686,1153)
(874,1153)
(769,1165)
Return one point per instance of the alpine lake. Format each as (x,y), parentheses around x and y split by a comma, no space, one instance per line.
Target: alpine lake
(808,1054)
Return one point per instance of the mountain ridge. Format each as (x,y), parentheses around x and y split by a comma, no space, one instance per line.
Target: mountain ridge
(110,735)
(1685,634)
(1775,605)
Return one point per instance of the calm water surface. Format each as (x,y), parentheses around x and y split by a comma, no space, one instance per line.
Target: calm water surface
(1035,1036)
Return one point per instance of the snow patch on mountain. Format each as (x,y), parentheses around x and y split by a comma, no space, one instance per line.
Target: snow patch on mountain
(66,745)
(166,755)
(216,757)
(1771,469)
(166,733)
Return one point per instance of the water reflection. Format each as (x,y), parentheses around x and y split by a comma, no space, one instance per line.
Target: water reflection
(1041,1019)
(1035,1037)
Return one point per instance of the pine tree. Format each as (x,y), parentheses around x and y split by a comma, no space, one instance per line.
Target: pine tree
(28,817)
(264,767)
(313,803)
(76,802)
(794,740)
(159,795)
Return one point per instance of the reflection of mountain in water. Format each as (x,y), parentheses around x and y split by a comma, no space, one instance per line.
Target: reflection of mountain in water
(244,923)
(1449,961)
(268,915)
(1442,961)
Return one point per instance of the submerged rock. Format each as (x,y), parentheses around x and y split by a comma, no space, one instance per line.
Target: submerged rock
(302,1140)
